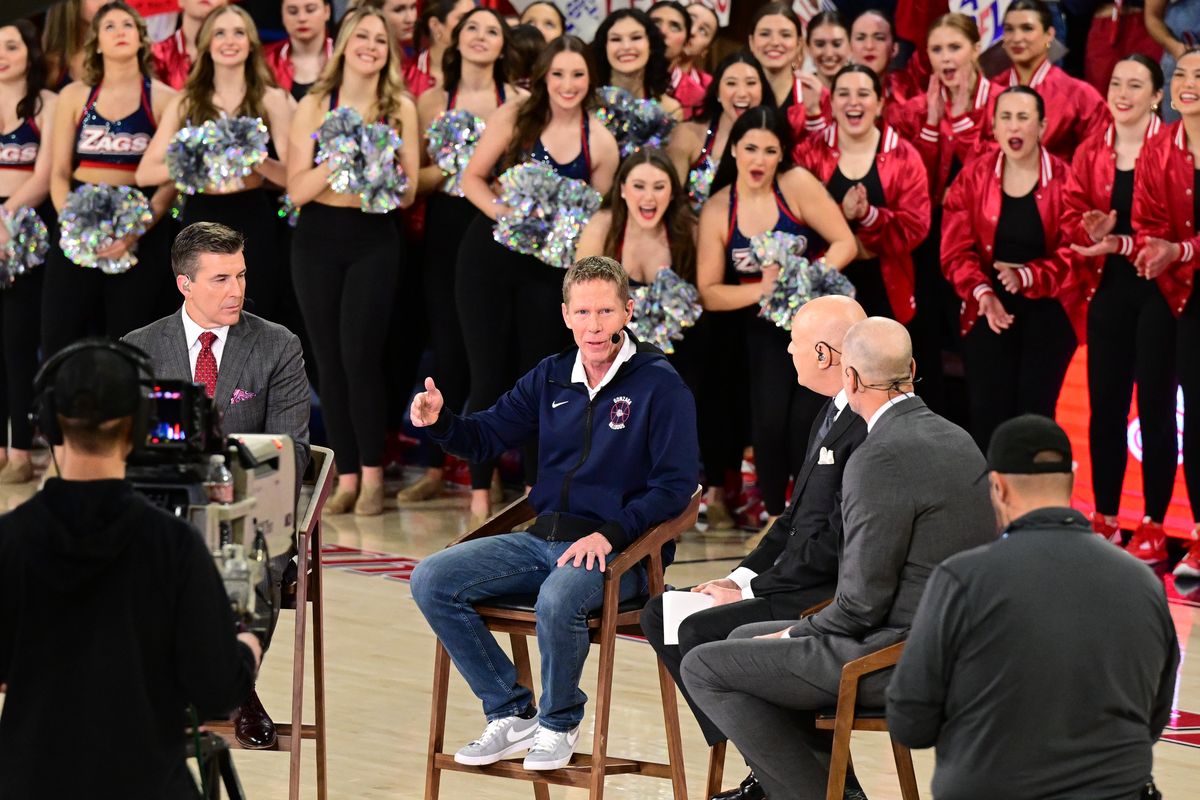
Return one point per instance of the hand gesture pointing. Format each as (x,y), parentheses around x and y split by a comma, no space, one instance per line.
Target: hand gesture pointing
(426,406)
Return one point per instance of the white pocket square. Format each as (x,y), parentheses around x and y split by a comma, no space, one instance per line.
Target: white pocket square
(826,456)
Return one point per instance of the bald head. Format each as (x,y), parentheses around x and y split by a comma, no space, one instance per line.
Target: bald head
(880,350)
(818,330)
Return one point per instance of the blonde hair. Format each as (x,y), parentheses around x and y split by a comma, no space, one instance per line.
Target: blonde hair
(63,37)
(197,106)
(93,60)
(390,85)
(960,22)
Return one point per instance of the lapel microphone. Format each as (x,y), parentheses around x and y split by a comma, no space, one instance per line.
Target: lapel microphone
(615,338)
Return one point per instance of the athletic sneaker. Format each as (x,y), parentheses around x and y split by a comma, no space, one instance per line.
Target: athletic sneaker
(1189,567)
(501,738)
(1104,530)
(1149,542)
(551,749)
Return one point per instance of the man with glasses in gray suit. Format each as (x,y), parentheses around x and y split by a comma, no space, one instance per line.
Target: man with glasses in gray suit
(910,499)
(252,369)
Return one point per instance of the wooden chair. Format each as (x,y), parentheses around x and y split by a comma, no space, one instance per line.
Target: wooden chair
(517,619)
(319,481)
(845,718)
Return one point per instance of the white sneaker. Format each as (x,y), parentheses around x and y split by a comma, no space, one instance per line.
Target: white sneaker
(501,738)
(551,749)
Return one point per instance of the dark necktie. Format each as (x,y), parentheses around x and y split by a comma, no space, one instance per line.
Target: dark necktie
(830,415)
(206,364)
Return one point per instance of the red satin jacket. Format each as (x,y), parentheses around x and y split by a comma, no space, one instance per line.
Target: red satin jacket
(417,77)
(171,62)
(969,230)
(893,231)
(689,89)
(1089,186)
(1163,196)
(962,137)
(898,86)
(278,56)
(1074,109)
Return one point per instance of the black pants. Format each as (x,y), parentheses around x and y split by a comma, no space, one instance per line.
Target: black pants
(446,221)
(252,214)
(869,289)
(781,411)
(1021,370)
(79,302)
(1189,378)
(934,328)
(21,327)
(1131,340)
(344,269)
(510,307)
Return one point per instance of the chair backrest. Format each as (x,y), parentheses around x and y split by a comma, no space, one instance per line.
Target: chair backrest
(319,478)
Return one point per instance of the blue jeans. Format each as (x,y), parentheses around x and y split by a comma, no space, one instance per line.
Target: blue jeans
(447,584)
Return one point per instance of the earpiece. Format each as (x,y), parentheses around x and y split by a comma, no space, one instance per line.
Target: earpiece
(820,356)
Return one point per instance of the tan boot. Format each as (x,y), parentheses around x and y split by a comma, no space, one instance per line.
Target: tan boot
(496,491)
(16,472)
(370,501)
(427,488)
(718,517)
(341,501)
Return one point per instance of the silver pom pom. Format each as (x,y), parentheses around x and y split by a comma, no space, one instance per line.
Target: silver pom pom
(97,215)
(548,212)
(220,154)
(663,309)
(26,246)
(363,159)
(452,140)
(799,281)
(634,123)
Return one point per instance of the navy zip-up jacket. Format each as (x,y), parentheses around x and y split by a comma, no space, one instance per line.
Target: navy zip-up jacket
(619,464)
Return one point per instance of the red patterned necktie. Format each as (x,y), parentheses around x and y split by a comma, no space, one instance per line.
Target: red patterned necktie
(206,364)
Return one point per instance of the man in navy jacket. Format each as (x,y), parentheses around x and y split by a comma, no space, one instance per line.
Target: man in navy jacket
(616,430)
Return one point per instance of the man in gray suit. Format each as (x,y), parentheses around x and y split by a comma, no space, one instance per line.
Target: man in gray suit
(910,498)
(252,368)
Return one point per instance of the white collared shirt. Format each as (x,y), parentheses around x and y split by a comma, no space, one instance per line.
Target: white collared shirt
(884,408)
(191,335)
(742,576)
(579,374)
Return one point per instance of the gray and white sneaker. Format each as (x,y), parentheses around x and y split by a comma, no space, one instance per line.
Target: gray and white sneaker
(551,749)
(501,738)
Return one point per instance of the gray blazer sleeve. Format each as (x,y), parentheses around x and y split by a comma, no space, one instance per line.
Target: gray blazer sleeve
(878,513)
(288,400)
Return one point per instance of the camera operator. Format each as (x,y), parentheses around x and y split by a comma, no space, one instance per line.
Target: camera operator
(112,615)
(253,369)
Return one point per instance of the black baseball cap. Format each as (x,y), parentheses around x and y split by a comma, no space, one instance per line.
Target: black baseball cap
(1029,445)
(96,385)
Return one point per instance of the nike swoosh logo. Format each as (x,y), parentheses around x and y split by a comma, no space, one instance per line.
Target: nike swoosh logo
(559,403)
(572,737)
(515,735)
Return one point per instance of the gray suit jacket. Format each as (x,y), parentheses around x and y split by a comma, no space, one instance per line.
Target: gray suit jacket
(261,384)
(911,497)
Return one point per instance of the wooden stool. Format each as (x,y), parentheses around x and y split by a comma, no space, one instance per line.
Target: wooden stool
(515,616)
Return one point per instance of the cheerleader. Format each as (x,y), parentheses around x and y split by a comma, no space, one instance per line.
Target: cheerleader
(102,126)
(437,22)
(1164,219)
(696,147)
(508,301)
(231,79)
(828,43)
(402,23)
(776,41)
(344,260)
(1130,328)
(474,69)
(675,24)
(1001,241)
(705,25)
(174,56)
(647,225)
(547,17)
(67,26)
(873,44)
(630,54)
(881,184)
(296,60)
(1074,110)
(26,109)
(757,192)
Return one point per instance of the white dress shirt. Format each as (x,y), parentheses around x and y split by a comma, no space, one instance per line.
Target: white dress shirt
(579,374)
(884,408)
(191,334)
(743,575)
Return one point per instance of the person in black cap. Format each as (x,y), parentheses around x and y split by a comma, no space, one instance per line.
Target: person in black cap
(113,618)
(1041,665)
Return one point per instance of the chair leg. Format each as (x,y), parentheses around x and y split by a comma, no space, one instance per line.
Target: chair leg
(437,720)
(608,646)
(904,770)
(666,685)
(316,587)
(302,587)
(520,654)
(839,761)
(716,769)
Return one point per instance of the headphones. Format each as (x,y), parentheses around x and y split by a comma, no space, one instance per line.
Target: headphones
(45,410)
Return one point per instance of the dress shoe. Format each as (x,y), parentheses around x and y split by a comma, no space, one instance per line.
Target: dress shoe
(252,727)
(16,472)
(341,501)
(370,501)
(749,789)
(426,488)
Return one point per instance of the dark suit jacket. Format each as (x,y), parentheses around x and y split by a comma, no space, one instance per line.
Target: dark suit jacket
(261,383)
(797,561)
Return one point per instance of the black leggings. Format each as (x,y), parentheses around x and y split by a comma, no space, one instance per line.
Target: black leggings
(510,307)
(1189,378)
(1131,339)
(1021,370)
(781,411)
(20,325)
(446,221)
(934,328)
(344,268)
(869,289)
(79,302)
(252,213)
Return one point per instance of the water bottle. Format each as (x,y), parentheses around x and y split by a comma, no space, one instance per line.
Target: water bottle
(220,481)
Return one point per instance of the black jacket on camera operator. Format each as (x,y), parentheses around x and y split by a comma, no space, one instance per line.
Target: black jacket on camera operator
(113,618)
